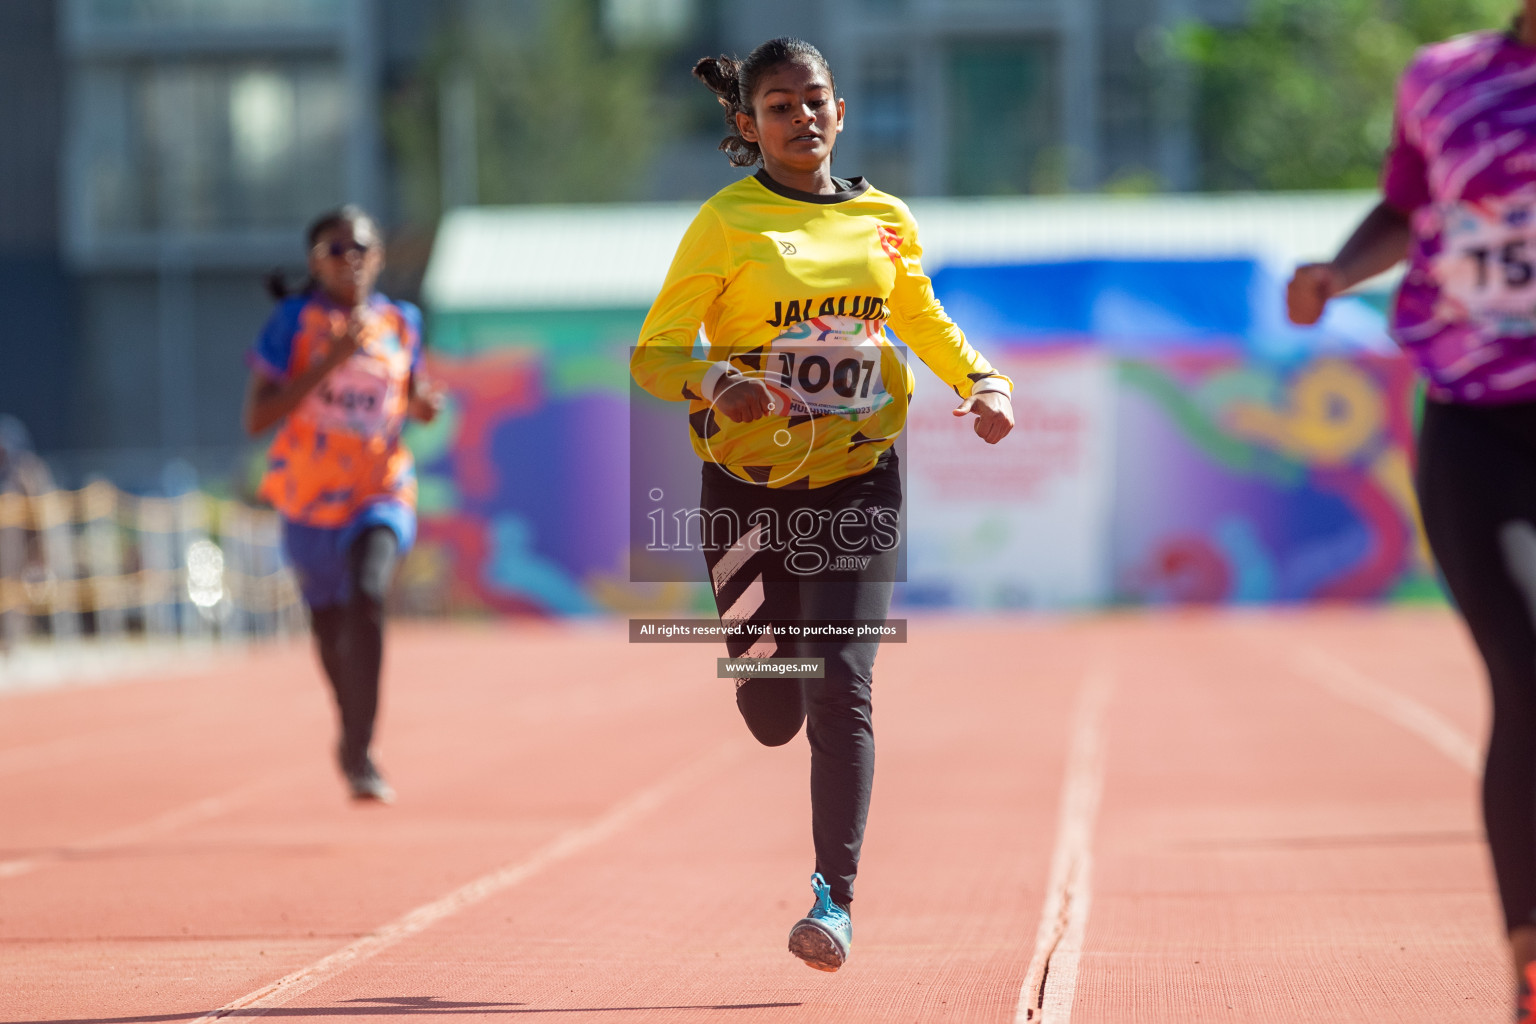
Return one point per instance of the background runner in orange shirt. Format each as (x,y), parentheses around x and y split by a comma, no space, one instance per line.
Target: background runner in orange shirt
(338,368)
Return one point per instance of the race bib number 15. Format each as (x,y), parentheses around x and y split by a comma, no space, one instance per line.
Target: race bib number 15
(1487,265)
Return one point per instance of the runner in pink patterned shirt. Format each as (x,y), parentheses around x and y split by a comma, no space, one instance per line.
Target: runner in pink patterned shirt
(1460,204)
(1463,165)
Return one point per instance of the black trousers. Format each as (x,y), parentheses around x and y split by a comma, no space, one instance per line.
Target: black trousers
(811,555)
(350,638)
(1477,492)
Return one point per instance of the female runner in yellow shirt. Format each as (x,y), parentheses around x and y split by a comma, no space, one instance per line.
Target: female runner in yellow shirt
(793,274)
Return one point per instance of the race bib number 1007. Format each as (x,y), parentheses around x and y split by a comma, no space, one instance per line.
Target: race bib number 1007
(1487,265)
(832,366)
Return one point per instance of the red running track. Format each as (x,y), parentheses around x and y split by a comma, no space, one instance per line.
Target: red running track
(1181,817)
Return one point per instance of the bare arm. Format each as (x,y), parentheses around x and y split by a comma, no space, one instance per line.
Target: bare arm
(268,400)
(1378,244)
(426,399)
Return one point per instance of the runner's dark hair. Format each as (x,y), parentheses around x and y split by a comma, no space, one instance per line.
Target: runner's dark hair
(734,82)
(350,215)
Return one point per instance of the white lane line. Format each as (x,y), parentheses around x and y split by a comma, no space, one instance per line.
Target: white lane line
(188,814)
(618,817)
(1050,984)
(1350,684)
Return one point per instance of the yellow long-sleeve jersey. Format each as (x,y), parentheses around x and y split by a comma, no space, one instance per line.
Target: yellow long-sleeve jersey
(796,289)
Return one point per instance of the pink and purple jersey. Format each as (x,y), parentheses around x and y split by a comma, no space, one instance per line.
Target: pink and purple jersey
(1463,165)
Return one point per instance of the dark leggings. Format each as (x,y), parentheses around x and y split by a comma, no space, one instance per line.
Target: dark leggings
(1477,491)
(792,584)
(350,637)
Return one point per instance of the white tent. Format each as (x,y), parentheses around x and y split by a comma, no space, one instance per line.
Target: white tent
(615,256)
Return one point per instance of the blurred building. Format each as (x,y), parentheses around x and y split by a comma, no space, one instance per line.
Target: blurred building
(37,299)
(162,155)
(984,97)
(199,137)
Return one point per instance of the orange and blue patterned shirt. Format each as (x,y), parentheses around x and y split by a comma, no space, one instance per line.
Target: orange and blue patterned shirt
(339,451)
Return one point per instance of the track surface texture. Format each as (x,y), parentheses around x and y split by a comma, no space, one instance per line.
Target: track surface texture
(1170,817)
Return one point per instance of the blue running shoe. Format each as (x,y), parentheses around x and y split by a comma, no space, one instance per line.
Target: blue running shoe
(823,936)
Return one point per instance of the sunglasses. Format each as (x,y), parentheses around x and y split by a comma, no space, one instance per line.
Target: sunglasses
(336,250)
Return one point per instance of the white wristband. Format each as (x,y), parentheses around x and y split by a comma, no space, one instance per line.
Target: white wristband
(997,384)
(712,378)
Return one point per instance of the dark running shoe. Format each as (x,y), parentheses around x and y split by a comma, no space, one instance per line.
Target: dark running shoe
(823,937)
(367,784)
(363,780)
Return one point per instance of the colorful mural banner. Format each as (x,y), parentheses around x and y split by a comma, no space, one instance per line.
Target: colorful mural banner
(1176,443)
(523,499)
(1238,480)
(1204,476)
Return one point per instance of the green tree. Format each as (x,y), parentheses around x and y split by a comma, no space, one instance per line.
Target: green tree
(561,115)
(1301,96)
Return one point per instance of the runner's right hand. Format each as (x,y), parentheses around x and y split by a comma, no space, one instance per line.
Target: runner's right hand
(1311,287)
(742,399)
(346,334)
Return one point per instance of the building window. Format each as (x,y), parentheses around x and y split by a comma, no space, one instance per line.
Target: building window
(193,148)
(109,15)
(1005,136)
(883,120)
(887,114)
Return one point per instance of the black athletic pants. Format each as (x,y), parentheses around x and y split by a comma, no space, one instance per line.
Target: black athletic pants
(810,555)
(1477,491)
(350,637)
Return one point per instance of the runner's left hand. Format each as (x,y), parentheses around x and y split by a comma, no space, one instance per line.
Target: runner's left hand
(994,414)
(427,400)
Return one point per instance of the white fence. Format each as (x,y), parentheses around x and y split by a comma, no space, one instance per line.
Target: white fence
(102,564)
